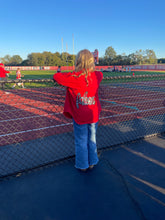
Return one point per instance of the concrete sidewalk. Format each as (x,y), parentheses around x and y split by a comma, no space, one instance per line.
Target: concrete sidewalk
(128,183)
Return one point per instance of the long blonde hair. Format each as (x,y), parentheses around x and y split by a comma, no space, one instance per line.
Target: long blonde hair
(84,62)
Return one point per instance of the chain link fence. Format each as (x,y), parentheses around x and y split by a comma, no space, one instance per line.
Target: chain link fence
(34,132)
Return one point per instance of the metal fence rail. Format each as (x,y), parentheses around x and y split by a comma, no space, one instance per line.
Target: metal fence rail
(34,132)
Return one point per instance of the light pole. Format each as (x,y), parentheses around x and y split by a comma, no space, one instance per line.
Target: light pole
(73,49)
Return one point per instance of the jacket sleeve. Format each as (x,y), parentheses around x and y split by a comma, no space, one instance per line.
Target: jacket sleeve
(66,79)
(3,72)
(7,71)
(100,76)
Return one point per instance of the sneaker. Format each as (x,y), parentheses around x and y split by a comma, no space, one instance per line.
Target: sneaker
(83,170)
(91,167)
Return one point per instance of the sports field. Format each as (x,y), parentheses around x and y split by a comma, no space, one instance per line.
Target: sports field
(45,74)
(48,74)
(34,74)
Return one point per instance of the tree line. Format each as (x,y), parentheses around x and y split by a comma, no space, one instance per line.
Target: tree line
(40,59)
(65,59)
(139,57)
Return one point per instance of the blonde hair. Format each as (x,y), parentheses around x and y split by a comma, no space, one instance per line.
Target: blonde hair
(84,62)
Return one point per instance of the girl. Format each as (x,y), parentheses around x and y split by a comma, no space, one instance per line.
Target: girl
(83,106)
(18,76)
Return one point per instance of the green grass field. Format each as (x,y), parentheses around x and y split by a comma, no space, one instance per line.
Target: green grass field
(48,74)
(133,79)
(34,74)
(130,74)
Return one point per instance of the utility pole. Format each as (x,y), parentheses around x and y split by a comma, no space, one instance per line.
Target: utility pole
(62,48)
(67,55)
(73,49)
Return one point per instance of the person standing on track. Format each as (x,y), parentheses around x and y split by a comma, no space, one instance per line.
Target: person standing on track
(83,106)
(18,76)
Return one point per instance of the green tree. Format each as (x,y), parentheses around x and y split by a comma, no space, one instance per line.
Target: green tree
(40,59)
(57,54)
(71,60)
(6,59)
(101,61)
(150,57)
(110,53)
(133,59)
(139,55)
(32,59)
(25,63)
(15,60)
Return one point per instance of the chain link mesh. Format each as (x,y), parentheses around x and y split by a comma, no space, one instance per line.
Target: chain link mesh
(34,132)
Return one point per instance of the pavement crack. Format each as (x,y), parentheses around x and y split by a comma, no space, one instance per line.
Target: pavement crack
(125,184)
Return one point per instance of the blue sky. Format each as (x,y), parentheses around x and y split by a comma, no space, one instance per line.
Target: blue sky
(37,26)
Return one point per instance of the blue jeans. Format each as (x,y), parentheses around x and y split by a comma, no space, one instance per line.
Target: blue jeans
(85,145)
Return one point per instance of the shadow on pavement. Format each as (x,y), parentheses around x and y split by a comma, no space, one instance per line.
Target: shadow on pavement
(128,183)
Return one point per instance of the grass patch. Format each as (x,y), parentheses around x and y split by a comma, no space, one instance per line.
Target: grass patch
(34,74)
(137,73)
(133,79)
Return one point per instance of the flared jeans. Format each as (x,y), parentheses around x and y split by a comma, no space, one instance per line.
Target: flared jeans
(85,145)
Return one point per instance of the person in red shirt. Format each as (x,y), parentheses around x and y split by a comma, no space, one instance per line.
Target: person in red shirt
(83,106)
(18,76)
(3,73)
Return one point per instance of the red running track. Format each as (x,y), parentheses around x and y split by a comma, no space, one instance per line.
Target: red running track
(28,114)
